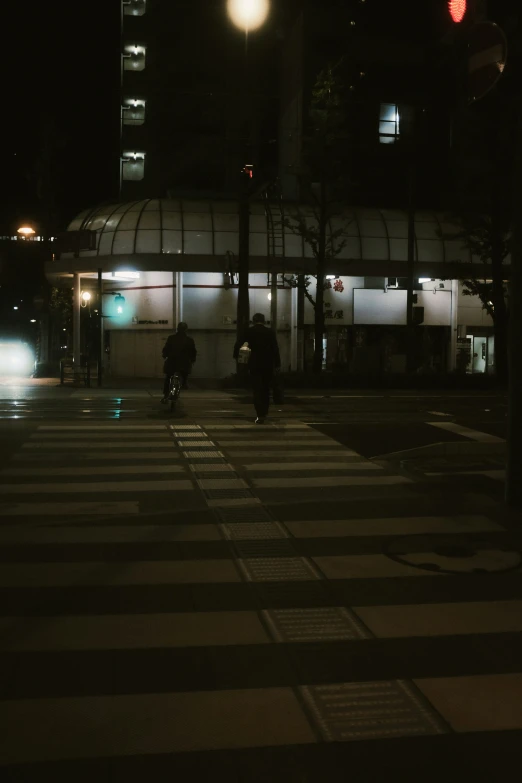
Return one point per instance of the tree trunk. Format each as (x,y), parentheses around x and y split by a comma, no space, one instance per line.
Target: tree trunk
(500,321)
(319,299)
(317,366)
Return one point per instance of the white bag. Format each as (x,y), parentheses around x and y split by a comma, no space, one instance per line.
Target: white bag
(244,354)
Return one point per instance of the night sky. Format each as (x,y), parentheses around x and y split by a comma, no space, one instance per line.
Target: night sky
(62,83)
(63,76)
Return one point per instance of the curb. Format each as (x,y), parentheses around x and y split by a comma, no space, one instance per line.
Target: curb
(446,449)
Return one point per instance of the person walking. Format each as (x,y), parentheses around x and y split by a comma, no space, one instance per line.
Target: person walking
(180,354)
(264,361)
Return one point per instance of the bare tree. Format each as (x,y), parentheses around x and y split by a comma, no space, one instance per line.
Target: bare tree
(323,184)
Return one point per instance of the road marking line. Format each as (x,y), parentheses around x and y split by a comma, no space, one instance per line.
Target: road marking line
(101,437)
(494,474)
(100,487)
(271,426)
(146,724)
(340,452)
(134,631)
(109,533)
(281,466)
(88,470)
(328,481)
(89,428)
(164,443)
(466,432)
(445,619)
(97,455)
(222,483)
(258,444)
(82,508)
(391,526)
(98,572)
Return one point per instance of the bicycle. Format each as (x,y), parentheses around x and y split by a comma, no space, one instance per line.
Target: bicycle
(175,384)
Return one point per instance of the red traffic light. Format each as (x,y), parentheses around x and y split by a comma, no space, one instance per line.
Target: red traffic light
(457,9)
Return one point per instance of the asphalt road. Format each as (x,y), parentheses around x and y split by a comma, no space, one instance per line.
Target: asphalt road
(190,592)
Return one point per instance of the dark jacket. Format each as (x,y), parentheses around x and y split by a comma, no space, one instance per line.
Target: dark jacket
(265,350)
(179,353)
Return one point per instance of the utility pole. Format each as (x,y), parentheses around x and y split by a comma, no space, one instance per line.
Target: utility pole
(410,342)
(513,489)
(243,300)
(100,335)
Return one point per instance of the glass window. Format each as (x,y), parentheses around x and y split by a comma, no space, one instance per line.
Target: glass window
(133,166)
(134,7)
(133,110)
(388,123)
(134,57)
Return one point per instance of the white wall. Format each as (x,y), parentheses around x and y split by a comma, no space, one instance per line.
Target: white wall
(376,306)
(338,301)
(471,312)
(148,299)
(437,306)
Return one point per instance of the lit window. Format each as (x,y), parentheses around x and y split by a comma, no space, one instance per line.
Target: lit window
(133,165)
(134,7)
(133,110)
(134,57)
(388,123)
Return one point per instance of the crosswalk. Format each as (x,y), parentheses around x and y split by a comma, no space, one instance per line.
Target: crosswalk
(171,591)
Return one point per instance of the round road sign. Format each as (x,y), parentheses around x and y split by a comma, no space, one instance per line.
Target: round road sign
(487,54)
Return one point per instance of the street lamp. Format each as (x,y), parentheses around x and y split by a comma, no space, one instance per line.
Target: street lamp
(26,231)
(248,14)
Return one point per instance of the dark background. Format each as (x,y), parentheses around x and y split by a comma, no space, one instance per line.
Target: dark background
(62,82)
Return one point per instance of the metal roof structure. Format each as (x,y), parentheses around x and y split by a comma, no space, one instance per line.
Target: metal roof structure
(189,235)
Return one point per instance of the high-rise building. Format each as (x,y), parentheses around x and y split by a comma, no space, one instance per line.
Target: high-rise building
(197,104)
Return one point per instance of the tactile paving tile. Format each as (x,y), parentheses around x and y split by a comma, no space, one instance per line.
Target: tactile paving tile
(208,474)
(222,494)
(221,467)
(253,530)
(191,434)
(371,710)
(272,547)
(185,427)
(247,514)
(192,443)
(323,624)
(222,483)
(277,569)
(203,454)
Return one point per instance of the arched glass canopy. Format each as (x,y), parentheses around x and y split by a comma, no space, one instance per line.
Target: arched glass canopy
(182,227)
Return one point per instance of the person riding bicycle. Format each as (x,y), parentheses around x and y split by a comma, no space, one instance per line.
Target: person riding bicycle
(180,354)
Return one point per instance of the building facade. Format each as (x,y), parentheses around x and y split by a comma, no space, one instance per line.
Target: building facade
(194,111)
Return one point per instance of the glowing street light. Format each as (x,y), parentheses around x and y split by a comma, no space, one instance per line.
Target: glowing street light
(86,296)
(248,14)
(26,231)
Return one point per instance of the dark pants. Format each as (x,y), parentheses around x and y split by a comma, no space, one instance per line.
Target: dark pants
(261,382)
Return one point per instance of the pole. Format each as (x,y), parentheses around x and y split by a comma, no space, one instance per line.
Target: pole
(100,336)
(294,326)
(76,325)
(513,489)
(179,298)
(452,355)
(243,302)
(410,357)
(273,301)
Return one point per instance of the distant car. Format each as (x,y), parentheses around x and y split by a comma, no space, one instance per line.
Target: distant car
(16,358)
